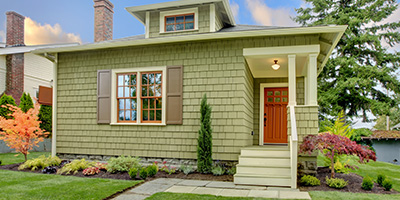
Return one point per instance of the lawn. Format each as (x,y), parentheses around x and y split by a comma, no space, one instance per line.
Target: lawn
(320,195)
(173,196)
(10,158)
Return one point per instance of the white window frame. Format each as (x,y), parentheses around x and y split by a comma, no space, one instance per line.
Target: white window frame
(179,12)
(139,71)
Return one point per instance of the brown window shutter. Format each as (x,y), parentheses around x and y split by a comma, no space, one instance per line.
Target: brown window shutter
(45,95)
(174,95)
(104,96)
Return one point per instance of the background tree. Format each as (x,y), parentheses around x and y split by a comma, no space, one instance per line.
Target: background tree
(204,147)
(4,101)
(26,102)
(361,62)
(22,131)
(45,116)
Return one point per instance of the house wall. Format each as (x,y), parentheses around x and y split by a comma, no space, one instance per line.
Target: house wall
(203,23)
(38,71)
(387,150)
(218,22)
(216,68)
(3,70)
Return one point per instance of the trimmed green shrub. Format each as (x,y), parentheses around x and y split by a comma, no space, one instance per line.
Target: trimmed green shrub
(122,164)
(26,102)
(186,169)
(40,163)
(387,184)
(152,170)
(380,179)
(143,173)
(341,167)
(45,116)
(218,171)
(75,166)
(204,146)
(133,172)
(367,183)
(337,183)
(5,100)
(309,180)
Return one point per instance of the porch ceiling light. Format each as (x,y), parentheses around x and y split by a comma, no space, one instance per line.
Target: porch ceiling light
(275,66)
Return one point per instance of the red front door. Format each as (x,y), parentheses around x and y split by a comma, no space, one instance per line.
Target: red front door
(275,115)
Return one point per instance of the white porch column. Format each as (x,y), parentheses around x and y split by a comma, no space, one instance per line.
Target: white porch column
(292,79)
(312,80)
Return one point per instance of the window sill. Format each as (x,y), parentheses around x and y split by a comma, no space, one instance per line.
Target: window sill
(182,31)
(138,124)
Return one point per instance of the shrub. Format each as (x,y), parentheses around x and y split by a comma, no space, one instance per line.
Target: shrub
(75,166)
(380,179)
(387,184)
(122,164)
(231,171)
(309,180)
(49,170)
(133,172)
(341,167)
(26,102)
(218,171)
(40,163)
(337,183)
(143,173)
(204,142)
(367,183)
(91,171)
(45,116)
(6,100)
(169,170)
(152,170)
(186,169)
(101,166)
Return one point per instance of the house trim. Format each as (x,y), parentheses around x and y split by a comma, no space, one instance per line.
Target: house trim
(179,12)
(262,86)
(54,108)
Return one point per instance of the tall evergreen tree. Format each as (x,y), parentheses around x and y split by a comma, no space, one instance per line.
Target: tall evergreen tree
(6,100)
(26,102)
(360,65)
(45,116)
(204,146)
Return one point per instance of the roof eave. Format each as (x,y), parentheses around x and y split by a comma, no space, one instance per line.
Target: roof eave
(342,29)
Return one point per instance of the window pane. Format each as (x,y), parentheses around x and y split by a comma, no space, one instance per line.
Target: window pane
(145,115)
(158,103)
(189,18)
(134,115)
(157,92)
(144,79)
(126,94)
(121,104)
(170,20)
(121,115)
(120,91)
(133,104)
(126,80)
(284,99)
(128,115)
(145,104)
(270,100)
(270,93)
(179,27)
(152,115)
(277,93)
(144,91)
(284,93)
(151,91)
(179,19)
(127,103)
(151,79)
(277,100)
(170,28)
(133,79)
(152,103)
(133,92)
(189,26)
(158,115)
(120,80)
(158,78)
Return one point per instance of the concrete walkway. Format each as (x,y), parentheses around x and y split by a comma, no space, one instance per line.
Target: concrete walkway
(217,188)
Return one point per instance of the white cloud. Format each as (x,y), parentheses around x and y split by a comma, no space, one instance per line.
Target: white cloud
(267,16)
(35,33)
(235,9)
(2,36)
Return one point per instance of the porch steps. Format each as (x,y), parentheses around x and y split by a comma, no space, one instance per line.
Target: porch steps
(264,165)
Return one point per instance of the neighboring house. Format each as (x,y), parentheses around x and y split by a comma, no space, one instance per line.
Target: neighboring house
(386,145)
(140,95)
(20,70)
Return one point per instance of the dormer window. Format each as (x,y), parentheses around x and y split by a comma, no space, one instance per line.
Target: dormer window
(179,22)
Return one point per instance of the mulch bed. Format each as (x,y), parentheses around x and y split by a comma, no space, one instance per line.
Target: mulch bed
(354,183)
(125,176)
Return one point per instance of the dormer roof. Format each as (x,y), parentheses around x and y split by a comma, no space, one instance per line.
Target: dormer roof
(139,12)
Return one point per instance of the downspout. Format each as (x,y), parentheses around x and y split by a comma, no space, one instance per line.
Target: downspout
(54,59)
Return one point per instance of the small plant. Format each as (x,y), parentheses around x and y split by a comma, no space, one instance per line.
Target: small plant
(218,171)
(122,164)
(337,183)
(152,170)
(341,168)
(40,163)
(231,171)
(133,172)
(186,169)
(367,183)
(75,166)
(49,170)
(143,173)
(91,171)
(101,166)
(380,179)
(309,180)
(170,170)
(387,184)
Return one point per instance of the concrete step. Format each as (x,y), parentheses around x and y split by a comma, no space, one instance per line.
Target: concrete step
(251,179)
(264,161)
(263,170)
(265,153)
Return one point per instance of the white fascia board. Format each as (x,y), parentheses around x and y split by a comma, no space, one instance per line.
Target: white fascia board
(196,37)
(229,12)
(332,47)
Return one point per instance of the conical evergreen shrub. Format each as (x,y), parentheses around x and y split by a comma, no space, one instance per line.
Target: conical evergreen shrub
(204,147)
(26,102)
(45,116)
(5,100)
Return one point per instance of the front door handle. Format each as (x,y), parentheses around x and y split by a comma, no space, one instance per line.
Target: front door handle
(265,119)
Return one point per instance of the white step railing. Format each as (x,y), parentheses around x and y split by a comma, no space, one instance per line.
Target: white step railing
(293,147)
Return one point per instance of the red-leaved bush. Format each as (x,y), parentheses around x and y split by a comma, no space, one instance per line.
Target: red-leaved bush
(91,171)
(336,145)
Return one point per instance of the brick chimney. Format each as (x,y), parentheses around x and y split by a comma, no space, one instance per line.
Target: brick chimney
(103,20)
(15,62)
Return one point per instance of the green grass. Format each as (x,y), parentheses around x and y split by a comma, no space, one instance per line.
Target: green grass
(319,195)
(10,158)
(173,196)
(25,185)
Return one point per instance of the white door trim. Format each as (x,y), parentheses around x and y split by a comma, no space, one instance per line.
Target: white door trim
(262,87)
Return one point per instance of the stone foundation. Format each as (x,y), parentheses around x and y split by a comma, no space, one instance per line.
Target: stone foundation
(307,164)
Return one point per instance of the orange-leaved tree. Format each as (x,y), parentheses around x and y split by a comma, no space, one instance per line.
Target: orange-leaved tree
(22,132)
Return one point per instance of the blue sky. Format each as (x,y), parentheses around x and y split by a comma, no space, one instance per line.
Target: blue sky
(76,16)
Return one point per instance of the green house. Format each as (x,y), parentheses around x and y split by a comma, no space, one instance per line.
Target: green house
(140,95)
